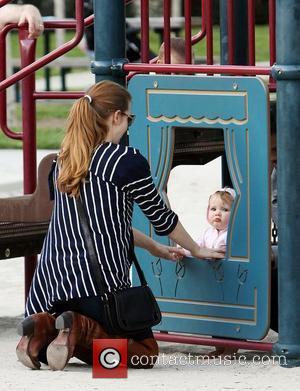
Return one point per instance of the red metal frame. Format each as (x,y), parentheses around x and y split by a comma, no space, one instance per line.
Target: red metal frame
(145,30)
(3,115)
(236,70)
(206,341)
(188,31)
(3,2)
(201,34)
(209,33)
(29,66)
(231,31)
(79,25)
(167,31)
(206,33)
(29,95)
(27,48)
(251,32)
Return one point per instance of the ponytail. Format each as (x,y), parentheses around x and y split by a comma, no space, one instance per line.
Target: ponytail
(86,129)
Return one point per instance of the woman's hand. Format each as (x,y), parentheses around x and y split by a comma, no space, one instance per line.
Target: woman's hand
(208,253)
(155,248)
(167,252)
(21,14)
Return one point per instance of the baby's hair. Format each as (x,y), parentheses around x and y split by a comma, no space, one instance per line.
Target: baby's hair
(226,195)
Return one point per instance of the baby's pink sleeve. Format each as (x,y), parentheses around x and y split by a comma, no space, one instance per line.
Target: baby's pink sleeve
(222,243)
(200,241)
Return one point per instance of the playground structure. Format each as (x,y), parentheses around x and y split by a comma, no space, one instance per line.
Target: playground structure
(235,111)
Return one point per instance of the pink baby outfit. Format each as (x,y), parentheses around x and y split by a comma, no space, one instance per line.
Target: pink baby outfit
(212,238)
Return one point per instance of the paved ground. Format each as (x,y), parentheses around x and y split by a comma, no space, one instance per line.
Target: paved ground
(74,81)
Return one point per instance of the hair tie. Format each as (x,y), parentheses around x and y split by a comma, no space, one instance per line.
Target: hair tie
(89,98)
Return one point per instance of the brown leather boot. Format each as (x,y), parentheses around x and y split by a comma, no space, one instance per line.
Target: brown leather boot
(75,339)
(142,354)
(37,332)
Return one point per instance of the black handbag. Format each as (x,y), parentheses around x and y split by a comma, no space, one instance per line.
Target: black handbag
(127,311)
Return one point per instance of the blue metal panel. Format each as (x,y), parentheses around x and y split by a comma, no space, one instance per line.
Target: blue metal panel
(227,298)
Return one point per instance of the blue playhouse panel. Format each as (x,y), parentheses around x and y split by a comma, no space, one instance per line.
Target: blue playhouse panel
(230,297)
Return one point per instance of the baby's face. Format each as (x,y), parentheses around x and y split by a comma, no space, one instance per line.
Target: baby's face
(218,212)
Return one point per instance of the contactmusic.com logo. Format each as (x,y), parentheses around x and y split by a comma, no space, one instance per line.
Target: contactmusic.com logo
(110,358)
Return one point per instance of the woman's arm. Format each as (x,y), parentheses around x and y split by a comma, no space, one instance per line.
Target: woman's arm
(13,13)
(155,248)
(165,222)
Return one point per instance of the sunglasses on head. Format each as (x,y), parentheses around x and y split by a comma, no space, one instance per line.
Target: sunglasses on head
(130,118)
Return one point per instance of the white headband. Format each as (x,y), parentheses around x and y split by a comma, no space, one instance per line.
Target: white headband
(229,190)
(89,98)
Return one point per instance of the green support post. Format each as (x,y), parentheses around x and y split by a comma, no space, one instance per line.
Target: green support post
(110,41)
(287,74)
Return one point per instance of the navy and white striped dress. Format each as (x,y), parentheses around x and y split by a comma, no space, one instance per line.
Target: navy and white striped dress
(118,176)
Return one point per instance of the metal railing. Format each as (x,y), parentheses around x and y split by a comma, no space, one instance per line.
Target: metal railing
(206,35)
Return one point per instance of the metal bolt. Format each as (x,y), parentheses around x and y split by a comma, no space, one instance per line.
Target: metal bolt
(7,252)
(279,71)
(155,84)
(235,86)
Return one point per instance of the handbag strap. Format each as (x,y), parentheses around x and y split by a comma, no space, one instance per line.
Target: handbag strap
(92,250)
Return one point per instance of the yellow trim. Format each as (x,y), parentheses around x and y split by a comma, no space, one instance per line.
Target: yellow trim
(192,119)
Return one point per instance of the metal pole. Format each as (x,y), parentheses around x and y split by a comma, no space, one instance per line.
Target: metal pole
(287,73)
(240,15)
(237,41)
(223,33)
(109,27)
(27,48)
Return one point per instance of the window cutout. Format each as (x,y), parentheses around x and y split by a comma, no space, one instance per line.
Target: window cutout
(188,190)
(197,145)
(196,174)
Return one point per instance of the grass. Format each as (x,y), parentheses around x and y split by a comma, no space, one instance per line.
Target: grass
(51,116)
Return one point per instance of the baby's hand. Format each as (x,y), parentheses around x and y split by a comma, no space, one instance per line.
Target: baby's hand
(185,253)
(208,253)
